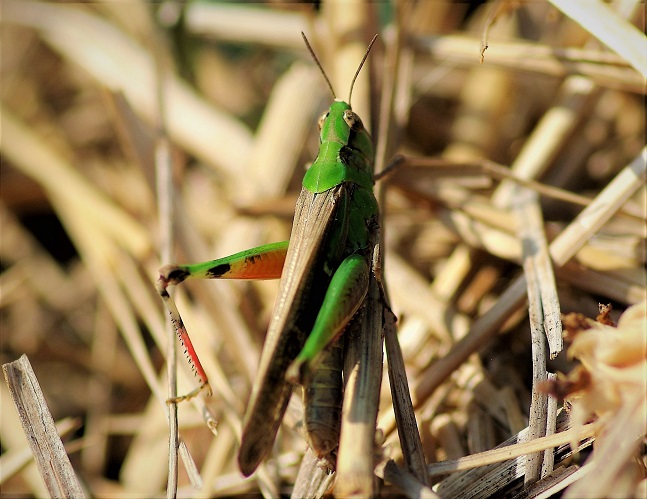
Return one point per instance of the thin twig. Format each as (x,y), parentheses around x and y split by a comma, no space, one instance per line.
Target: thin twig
(165,201)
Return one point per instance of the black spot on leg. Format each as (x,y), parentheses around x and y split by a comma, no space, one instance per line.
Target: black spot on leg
(173,274)
(179,275)
(178,325)
(218,270)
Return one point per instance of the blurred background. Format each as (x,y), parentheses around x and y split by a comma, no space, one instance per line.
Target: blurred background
(102,101)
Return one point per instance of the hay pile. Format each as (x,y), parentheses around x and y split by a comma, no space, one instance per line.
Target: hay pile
(520,197)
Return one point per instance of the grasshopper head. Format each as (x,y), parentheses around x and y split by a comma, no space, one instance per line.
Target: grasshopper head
(341,111)
(345,152)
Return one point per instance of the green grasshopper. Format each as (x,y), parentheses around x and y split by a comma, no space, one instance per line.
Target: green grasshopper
(324,269)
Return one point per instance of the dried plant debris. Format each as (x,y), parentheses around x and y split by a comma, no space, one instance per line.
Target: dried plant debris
(609,386)
(549,128)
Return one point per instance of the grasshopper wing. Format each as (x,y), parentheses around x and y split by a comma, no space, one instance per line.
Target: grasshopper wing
(303,284)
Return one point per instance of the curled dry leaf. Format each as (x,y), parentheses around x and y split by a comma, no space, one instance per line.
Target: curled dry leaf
(604,317)
(610,384)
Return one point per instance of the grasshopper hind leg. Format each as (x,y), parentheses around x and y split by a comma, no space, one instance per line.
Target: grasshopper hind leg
(262,262)
(344,296)
(166,278)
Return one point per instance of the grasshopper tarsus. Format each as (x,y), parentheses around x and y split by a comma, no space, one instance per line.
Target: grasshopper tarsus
(191,395)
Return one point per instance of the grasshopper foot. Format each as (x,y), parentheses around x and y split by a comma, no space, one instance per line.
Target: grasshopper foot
(191,394)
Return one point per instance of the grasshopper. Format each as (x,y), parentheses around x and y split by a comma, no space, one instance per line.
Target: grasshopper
(324,269)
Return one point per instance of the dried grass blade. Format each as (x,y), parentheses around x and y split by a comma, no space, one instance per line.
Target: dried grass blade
(505,453)
(562,249)
(610,28)
(407,482)
(402,405)
(363,372)
(312,480)
(601,209)
(52,460)
(535,260)
(127,68)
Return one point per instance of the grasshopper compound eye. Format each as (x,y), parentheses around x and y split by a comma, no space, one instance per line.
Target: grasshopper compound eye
(352,120)
(322,119)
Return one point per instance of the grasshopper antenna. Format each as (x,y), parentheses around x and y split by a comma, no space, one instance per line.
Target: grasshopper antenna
(350,93)
(312,53)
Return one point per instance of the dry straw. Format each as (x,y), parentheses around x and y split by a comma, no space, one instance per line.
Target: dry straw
(519,197)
